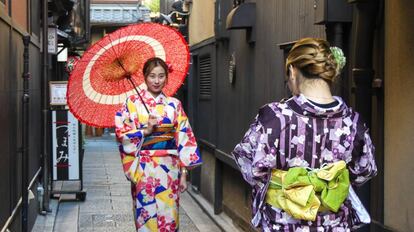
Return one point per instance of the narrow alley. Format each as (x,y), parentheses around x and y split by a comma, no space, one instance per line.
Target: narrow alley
(108,204)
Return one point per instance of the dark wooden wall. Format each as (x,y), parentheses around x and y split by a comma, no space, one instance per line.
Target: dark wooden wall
(11,90)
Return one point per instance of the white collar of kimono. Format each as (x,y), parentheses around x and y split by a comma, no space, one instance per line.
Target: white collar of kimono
(160,98)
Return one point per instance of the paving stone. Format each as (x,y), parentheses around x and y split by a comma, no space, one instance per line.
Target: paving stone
(186,224)
(97,187)
(38,228)
(85,220)
(104,223)
(95,205)
(121,193)
(103,195)
(118,218)
(122,206)
(106,229)
(67,216)
(86,229)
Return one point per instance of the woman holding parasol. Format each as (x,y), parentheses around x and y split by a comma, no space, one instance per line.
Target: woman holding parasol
(126,74)
(157,146)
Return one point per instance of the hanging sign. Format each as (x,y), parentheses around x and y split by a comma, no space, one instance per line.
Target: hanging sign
(58,91)
(52,40)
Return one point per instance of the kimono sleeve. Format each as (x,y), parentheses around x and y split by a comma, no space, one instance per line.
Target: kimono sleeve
(186,142)
(249,154)
(129,138)
(362,167)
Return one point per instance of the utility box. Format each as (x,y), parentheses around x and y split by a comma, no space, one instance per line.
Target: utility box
(332,11)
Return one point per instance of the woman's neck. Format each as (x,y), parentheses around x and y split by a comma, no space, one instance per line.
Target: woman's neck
(317,91)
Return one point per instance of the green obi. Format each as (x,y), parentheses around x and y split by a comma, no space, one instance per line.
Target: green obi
(302,192)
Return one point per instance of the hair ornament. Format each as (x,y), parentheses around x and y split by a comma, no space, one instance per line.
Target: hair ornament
(170,67)
(338,56)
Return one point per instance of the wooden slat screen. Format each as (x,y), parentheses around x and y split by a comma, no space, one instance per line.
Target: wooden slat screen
(205,74)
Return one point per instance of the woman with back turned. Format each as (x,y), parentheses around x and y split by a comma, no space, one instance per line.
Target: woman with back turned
(302,155)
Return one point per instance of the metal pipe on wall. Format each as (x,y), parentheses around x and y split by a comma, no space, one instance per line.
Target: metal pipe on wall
(338,34)
(25,133)
(45,111)
(335,33)
(363,28)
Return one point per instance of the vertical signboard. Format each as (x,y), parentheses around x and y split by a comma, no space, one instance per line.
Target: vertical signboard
(52,40)
(65,133)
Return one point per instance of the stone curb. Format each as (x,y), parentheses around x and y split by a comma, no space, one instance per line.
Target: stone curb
(224,222)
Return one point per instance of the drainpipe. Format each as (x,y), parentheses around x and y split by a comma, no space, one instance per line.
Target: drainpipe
(45,111)
(336,15)
(363,29)
(335,33)
(25,133)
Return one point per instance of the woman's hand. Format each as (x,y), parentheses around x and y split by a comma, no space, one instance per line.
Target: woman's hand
(152,122)
(183,181)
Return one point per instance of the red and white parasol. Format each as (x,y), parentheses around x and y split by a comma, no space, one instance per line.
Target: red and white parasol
(107,72)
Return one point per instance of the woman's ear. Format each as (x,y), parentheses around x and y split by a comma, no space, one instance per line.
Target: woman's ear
(292,72)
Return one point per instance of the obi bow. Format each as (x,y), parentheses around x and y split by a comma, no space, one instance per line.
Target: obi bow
(303,192)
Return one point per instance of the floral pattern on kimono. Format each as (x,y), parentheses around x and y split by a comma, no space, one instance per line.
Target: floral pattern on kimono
(154,169)
(297,133)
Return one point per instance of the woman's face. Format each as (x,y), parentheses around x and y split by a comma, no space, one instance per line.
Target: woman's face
(156,80)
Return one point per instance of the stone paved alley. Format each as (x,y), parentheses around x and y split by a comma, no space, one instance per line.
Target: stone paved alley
(108,202)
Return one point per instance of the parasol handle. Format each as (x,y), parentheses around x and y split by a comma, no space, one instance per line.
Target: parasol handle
(136,90)
(133,84)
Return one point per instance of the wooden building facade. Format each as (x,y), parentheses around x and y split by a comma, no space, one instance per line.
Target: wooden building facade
(17,19)
(25,123)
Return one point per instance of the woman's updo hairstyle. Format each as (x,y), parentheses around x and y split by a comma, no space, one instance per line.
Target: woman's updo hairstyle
(314,59)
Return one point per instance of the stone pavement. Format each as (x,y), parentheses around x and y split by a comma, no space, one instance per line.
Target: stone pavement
(108,204)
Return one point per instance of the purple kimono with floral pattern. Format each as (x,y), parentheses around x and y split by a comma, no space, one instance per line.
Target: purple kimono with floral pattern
(296,133)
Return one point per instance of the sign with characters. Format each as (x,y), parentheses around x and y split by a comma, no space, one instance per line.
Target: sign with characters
(52,40)
(58,93)
(65,134)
